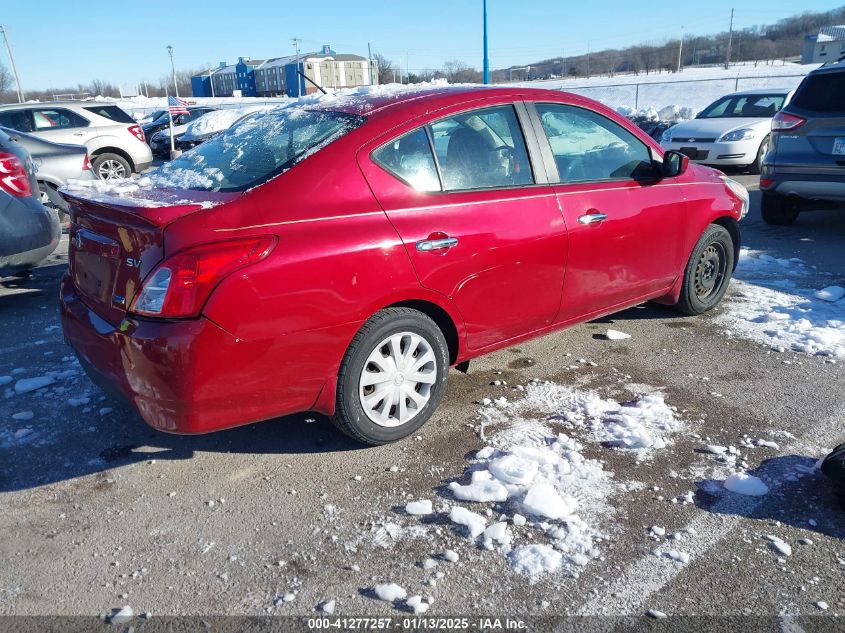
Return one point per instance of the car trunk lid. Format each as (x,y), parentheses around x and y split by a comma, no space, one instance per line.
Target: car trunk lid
(116,241)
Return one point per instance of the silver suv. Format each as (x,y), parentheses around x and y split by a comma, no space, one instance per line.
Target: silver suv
(114,140)
(805,165)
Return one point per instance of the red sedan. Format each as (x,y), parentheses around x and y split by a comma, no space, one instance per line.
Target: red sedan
(341,257)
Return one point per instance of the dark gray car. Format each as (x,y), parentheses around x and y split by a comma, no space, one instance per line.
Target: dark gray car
(54,165)
(805,165)
(29,231)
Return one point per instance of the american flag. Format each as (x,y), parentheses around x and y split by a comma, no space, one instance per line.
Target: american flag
(177,106)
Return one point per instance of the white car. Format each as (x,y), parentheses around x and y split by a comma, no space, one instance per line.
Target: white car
(731,132)
(114,140)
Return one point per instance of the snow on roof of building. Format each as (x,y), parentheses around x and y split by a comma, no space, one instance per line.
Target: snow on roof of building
(831,33)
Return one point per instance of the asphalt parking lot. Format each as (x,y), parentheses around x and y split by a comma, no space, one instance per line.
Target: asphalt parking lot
(98,511)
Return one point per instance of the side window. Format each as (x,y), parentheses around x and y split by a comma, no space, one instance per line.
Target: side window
(589,147)
(482,149)
(20,120)
(57,119)
(409,158)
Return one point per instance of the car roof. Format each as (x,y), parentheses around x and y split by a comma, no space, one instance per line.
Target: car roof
(50,104)
(759,91)
(380,102)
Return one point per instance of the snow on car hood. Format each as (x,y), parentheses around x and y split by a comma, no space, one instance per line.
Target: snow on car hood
(714,128)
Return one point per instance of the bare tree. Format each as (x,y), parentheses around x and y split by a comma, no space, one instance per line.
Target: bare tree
(386,71)
(5,79)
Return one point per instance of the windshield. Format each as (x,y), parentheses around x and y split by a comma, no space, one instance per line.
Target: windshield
(255,150)
(750,106)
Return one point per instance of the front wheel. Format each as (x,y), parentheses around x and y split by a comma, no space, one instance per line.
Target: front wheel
(392,377)
(708,271)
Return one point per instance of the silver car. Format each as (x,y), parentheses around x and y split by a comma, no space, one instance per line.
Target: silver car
(54,165)
(114,140)
(29,231)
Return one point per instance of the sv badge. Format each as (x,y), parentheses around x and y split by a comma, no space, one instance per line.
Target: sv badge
(133,263)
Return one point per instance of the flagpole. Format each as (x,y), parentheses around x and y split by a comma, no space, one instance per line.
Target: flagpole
(170,119)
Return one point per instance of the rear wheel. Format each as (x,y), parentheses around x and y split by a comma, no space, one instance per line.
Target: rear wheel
(777,209)
(708,271)
(392,377)
(754,168)
(111,167)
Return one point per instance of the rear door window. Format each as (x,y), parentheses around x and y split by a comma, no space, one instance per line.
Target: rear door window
(822,92)
(57,119)
(111,112)
(409,158)
(590,147)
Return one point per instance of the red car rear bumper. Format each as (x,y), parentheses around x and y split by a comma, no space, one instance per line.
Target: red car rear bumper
(184,376)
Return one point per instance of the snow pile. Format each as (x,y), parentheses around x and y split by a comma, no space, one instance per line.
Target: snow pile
(390,592)
(772,304)
(419,508)
(668,114)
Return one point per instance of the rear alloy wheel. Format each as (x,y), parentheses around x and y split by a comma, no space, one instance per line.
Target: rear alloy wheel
(777,209)
(111,167)
(754,168)
(708,271)
(392,377)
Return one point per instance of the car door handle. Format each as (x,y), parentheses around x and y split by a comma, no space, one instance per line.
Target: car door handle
(592,218)
(432,245)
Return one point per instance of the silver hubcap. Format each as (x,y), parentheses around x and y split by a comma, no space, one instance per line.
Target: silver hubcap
(111,170)
(397,378)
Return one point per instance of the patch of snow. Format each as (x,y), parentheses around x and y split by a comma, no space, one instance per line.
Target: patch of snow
(779,545)
(543,500)
(417,604)
(390,592)
(535,560)
(5,380)
(616,335)
(745,484)
(25,385)
(421,507)
(451,556)
(475,523)
(482,488)
(831,293)
(23,416)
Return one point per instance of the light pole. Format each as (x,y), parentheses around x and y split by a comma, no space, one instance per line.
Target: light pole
(173,69)
(296,74)
(12,60)
(486,58)
(680,49)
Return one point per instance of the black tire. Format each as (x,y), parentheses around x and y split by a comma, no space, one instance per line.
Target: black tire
(754,168)
(778,210)
(708,271)
(108,163)
(350,416)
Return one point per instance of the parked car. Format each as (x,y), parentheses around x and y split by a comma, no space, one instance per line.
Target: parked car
(152,116)
(731,132)
(340,257)
(54,165)
(211,124)
(115,142)
(806,162)
(163,121)
(29,231)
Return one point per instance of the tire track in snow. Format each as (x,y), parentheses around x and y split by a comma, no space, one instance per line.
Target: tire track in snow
(635,586)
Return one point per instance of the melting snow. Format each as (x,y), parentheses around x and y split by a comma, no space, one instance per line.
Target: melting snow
(772,304)
(745,484)
(390,592)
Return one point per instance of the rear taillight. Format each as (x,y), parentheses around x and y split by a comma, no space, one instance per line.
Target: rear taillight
(86,163)
(14,178)
(181,284)
(784,121)
(765,183)
(137,132)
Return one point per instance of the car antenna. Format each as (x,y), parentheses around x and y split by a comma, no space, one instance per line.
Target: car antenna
(319,87)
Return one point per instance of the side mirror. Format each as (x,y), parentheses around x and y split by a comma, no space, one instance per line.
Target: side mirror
(674,164)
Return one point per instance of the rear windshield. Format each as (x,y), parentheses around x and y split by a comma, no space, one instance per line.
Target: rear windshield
(111,112)
(255,150)
(824,92)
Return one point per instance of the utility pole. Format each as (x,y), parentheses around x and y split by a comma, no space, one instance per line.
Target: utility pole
(730,37)
(173,69)
(588,60)
(12,60)
(296,41)
(680,49)
(486,57)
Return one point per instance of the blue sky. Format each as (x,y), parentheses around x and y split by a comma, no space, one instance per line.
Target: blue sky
(59,44)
